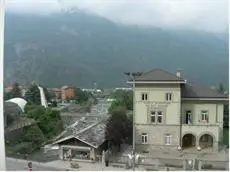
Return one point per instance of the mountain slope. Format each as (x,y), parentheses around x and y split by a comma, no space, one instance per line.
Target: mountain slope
(80,49)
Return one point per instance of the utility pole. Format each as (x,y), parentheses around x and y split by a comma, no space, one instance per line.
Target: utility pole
(133,75)
(2,135)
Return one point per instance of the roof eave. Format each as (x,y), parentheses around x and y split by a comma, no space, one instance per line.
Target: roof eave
(76,137)
(206,98)
(158,82)
(63,139)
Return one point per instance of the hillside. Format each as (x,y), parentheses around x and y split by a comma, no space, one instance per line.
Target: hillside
(80,49)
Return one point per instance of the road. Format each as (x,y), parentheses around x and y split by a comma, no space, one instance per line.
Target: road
(14,165)
(101,108)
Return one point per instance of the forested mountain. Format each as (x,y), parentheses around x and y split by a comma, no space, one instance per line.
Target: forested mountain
(79,49)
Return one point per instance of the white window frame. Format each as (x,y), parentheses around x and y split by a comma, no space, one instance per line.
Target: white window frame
(168,96)
(168,139)
(144,138)
(153,115)
(161,115)
(204,116)
(144,96)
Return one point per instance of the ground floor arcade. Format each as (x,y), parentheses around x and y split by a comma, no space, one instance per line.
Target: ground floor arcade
(204,141)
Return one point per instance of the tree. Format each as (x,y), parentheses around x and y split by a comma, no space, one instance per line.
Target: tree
(48,120)
(35,111)
(114,105)
(16,91)
(81,96)
(7,95)
(33,95)
(54,103)
(221,88)
(128,100)
(34,135)
(119,127)
(123,98)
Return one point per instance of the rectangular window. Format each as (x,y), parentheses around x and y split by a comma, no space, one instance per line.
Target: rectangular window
(159,117)
(144,138)
(144,96)
(188,117)
(204,115)
(153,116)
(168,139)
(168,96)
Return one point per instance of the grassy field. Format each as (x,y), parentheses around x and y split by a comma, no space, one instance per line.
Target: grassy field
(226,136)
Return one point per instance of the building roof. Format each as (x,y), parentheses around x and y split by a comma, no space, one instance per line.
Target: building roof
(76,124)
(158,75)
(92,134)
(12,109)
(8,89)
(19,101)
(20,123)
(71,118)
(192,90)
(66,87)
(54,89)
(189,90)
(95,135)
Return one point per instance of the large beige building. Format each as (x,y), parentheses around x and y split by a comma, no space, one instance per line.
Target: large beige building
(173,113)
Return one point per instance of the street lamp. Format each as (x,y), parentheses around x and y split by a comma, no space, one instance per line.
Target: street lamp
(2,144)
(133,75)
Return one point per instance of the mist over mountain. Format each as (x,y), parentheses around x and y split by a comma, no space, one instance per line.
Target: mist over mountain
(79,49)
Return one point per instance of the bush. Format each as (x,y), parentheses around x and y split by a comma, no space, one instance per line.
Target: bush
(34,135)
(74,165)
(35,112)
(54,104)
(207,166)
(49,124)
(22,148)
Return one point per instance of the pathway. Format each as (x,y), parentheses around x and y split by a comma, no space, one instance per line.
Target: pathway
(58,165)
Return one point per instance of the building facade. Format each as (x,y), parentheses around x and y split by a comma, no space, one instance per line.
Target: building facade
(67,92)
(55,93)
(83,140)
(172,113)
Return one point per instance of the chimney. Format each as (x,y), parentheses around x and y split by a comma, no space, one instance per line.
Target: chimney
(178,73)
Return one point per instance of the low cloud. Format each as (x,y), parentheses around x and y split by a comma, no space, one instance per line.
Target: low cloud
(207,15)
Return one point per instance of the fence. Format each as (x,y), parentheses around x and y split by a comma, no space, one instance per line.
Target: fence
(178,164)
(153,163)
(213,165)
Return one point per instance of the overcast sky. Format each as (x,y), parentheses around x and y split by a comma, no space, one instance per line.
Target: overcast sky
(207,15)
